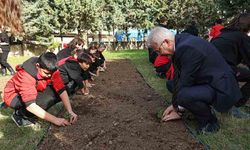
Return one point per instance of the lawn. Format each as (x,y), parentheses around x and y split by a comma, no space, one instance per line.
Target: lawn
(234,133)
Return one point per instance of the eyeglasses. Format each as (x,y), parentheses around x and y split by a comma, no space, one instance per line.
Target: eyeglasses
(46,72)
(164,41)
(161,45)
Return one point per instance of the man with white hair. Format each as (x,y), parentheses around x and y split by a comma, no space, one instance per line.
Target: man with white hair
(202,78)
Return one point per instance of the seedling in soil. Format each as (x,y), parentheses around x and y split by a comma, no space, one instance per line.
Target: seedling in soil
(160,113)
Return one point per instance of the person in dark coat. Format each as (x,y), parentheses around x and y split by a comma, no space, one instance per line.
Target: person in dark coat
(5,47)
(234,44)
(202,78)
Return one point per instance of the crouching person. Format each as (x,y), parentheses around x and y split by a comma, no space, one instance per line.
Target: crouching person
(164,67)
(36,86)
(202,79)
(73,72)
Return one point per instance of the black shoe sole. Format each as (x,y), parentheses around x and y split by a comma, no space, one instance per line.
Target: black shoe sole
(27,124)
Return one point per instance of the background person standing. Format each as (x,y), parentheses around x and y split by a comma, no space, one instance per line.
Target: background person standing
(5,46)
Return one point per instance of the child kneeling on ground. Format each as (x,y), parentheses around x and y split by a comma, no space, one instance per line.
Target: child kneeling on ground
(73,72)
(164,67)
(37,86)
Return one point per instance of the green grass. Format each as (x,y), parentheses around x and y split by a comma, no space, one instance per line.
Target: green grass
(12,137)
(234,133)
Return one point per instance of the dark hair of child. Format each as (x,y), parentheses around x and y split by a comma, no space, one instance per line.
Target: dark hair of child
(76,41)
(84,58)
(48,61)
(92,47)
(241,22)
(163,19)
(218,21)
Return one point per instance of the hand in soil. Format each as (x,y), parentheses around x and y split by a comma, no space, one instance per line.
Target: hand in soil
(85,91)
(73,118)
(170,114)
(61,122)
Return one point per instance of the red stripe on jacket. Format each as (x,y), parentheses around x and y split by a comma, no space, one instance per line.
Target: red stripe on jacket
(170,73)
(215,31)
(63,61)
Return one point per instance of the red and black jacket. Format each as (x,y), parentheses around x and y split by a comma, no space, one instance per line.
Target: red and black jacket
(27,83)
(163,64)
(64,53)
(71,70)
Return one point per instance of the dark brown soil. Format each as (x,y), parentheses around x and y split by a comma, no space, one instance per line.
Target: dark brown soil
(120,114)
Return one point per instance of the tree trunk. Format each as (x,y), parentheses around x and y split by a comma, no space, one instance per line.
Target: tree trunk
(23,46)
(61,38)
(114,40)
(127,42)
(144,38)
(100,36)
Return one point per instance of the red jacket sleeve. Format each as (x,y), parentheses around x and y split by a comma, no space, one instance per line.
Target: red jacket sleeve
(25,84)
(57,82)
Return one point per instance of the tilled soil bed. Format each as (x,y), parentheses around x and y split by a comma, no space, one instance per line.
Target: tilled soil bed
(119,114)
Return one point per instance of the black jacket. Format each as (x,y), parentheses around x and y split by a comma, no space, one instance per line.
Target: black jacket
(234,46)
(5,42)
(64,53)
(70,70)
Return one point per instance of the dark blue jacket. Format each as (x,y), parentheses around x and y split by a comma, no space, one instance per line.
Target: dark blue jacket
(199,62)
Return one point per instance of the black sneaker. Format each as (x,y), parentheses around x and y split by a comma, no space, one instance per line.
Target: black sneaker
(209,128)
(3,105)
(21,121)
